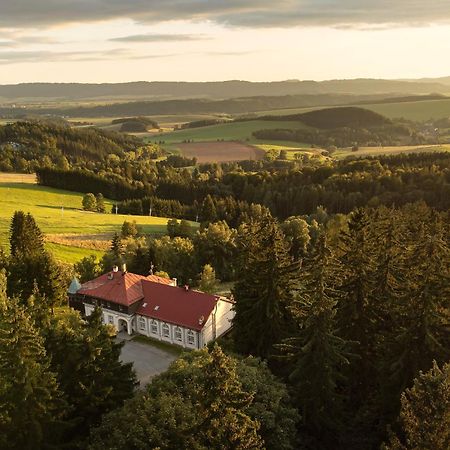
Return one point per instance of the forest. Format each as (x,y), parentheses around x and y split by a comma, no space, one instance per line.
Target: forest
(340,275)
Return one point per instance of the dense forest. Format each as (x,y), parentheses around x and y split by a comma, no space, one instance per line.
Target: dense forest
(340,275)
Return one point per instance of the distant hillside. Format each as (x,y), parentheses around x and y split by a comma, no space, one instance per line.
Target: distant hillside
(242,105)
(214,90)
(352,117)
(406,99)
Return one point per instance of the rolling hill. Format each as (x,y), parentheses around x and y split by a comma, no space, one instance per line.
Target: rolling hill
(71,232)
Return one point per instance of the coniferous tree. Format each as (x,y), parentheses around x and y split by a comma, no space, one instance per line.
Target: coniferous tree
(316,356)
(423,332)
(263,291)
(31,403)
(355,311)
(25,236)
(208,212)
(86,361)
(425,413)
(208,412)
(114,257)
(30,265)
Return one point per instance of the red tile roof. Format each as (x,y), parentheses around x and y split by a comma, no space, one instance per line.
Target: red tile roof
(119,287)
(176,305)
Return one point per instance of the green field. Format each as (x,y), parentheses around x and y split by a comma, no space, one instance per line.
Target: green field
(377,151)
(45,204)
(419,110)
(234,131)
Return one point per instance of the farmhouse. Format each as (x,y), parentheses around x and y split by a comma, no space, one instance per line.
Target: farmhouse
(155,307)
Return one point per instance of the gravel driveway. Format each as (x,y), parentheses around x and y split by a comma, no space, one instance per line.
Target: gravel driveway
(148,360)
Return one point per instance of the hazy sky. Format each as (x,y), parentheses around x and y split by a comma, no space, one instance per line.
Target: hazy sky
(197,40)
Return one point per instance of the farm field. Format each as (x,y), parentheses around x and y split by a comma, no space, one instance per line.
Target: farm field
(64,226)
(220,151)
(235,131)
(374,151)
(417,110)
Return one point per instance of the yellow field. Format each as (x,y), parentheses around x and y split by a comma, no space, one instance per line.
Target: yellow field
(376,151)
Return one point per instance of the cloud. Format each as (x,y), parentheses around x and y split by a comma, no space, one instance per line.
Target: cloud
(243,13)
(16,57)
(159,38)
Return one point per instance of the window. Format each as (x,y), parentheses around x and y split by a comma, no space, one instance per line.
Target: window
(178,334)
(165,330)
(154,327)
(111,319)
(191,337)
(142,323)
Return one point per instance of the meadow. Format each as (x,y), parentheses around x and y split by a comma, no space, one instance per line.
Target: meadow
(59,215)
(395,150)
(233,131)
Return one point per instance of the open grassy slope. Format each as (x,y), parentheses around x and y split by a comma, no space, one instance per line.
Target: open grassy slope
(45,205)
(234,131)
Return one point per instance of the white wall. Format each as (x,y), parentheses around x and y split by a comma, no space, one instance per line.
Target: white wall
(218,322)
(112,318)
(144,326)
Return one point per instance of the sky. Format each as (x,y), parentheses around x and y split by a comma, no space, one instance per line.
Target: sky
(210,40)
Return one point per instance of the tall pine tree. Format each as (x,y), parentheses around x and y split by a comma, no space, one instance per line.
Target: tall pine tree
(263,291)
(316,356)
(31,403)
(355,313)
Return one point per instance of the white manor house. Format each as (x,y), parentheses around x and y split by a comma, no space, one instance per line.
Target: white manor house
(155,307)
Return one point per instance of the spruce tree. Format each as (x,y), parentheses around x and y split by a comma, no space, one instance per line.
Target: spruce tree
(264,287)
(423,333)
(30,264)
(425,413)
(207,412)
(355,309)
(316,356)
(31,403)
(208,212)
(86,360)
(25,236)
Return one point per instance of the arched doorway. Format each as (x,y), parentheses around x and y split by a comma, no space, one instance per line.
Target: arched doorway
(122,326)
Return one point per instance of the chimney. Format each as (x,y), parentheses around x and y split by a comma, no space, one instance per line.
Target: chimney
(115,269)
(124,268)
(174,280)
(186,287)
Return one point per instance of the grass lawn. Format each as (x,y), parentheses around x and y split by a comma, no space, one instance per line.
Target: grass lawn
(170,348)
(70,254)
(45,204)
